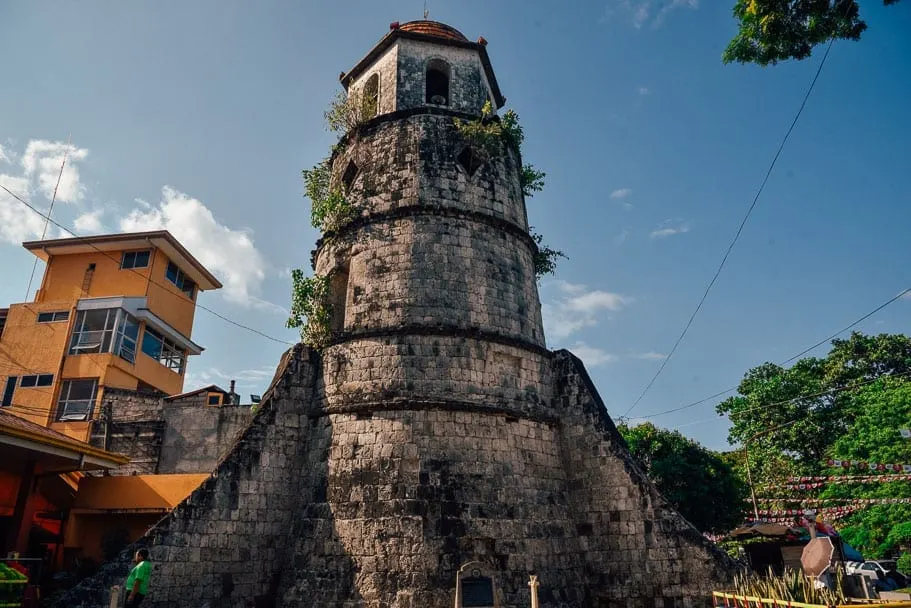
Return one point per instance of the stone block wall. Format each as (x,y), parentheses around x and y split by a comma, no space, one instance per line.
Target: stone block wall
(225,545)
(639,552)
(468,87)
(196,436)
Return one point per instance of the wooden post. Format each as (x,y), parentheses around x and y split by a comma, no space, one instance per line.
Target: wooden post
(533,583)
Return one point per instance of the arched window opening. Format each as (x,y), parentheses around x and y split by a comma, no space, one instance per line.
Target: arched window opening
(470,160)
(338,299)
(372,96)
(437,82)
(349,176)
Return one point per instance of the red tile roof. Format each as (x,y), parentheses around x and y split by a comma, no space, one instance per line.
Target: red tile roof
(433,28)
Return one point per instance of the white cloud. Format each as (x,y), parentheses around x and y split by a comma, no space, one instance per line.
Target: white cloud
(621,194)
(643,91)
(640,13)
(229,254)
(670,228)
(906,295)
(17,222)
(38,169)
(89,223)
(590,355)
(576,307)
(621,238)
(41,162)
(649,356)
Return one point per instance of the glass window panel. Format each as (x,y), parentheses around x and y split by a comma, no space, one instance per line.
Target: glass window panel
(142,259)
(77,399)
(45,317)
(172,273)
(28,381)
(45,379)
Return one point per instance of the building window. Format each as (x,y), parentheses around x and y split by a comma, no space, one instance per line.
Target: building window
(135,259)
(34,380)
(110,330)
(163,350)
(372,96)
(93,331)
(77,400)
(53,317)
(9,391)
(437,82)
(176,276)
(214,399)
(127,336)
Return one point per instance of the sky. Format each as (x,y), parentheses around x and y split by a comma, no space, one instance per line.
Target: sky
(199,116)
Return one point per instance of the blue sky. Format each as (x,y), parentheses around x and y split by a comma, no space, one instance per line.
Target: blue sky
(198,116)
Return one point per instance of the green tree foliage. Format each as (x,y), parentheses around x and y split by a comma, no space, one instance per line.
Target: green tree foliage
(546,257)
(329,208)
(532,180)
(776,30)
(811,402)
(880,409)
(310,308)
(701,484)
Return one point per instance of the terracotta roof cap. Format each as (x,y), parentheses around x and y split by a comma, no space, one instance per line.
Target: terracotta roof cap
(433,28)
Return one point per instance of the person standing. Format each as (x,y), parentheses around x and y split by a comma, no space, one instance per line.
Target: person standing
(137,586)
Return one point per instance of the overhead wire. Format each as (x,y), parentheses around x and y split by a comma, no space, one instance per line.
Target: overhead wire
(856,322)
(88,242)
(737,234)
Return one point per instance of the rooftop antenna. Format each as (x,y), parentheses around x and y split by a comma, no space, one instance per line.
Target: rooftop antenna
(426,11)
(50,210)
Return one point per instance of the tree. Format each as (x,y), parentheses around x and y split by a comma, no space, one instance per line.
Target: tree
(777,30)
(880,409)
(701,484)
(791,417)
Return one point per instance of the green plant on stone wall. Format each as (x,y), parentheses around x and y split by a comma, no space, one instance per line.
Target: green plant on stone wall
(545,258)
(348,112)
(532,180)
(311,311)
(329,208)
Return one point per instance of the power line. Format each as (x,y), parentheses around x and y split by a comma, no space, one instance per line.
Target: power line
(798,355)
(737,234)
(88,242)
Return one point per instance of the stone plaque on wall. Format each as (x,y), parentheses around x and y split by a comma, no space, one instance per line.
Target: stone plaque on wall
(475,587)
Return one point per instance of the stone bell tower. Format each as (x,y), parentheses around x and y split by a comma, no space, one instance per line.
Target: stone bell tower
(435,453)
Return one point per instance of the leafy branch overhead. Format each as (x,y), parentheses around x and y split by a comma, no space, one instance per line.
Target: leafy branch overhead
(546,257)
(777,30)
(310,308)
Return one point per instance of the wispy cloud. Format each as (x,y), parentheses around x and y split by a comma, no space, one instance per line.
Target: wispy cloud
(592,356)
(670,228)
(89,223)
(576,306)
(4,158)
(229,253)
(648,356)
(621,238)
(643,91)
(621,195)
(640,13)
(42,161)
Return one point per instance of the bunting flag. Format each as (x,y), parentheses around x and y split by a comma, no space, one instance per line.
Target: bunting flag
(854,503)
(778,517)
(810,478)
(871,466)
(844,479)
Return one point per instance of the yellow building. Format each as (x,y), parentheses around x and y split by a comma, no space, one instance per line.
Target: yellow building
(113,311)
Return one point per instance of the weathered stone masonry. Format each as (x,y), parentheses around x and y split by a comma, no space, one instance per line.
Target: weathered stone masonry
(436,429)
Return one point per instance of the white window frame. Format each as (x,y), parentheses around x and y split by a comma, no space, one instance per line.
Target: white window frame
(76,410)
(57,316)
(134,254)
(170,354)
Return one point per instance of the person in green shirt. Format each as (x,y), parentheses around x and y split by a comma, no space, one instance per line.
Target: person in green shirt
(137,586)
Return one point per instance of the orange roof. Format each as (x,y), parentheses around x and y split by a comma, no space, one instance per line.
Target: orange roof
(28,435)
(136,492)
(435,29)
(162,239)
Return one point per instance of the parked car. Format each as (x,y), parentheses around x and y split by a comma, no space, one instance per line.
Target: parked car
(882,572)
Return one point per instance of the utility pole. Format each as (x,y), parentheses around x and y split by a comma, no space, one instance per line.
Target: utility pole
(746,455)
